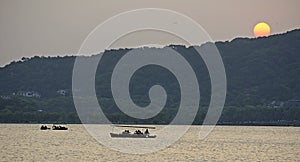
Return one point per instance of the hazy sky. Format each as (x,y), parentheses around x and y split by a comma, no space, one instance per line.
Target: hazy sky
(58,27)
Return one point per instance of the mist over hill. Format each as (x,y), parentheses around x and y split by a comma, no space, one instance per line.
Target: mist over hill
(260,71)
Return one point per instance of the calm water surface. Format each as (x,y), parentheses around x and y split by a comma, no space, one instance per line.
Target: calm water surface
(226,143)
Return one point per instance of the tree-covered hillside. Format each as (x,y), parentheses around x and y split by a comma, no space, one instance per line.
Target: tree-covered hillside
(259,71)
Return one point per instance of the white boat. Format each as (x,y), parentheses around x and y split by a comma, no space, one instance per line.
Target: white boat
(136,134)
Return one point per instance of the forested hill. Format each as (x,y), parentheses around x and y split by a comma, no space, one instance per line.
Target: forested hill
(262,69)
(259,71)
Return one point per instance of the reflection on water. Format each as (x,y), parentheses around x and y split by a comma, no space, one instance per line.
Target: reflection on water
(27,142)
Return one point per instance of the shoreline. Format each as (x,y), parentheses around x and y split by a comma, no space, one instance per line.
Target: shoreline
(220,124)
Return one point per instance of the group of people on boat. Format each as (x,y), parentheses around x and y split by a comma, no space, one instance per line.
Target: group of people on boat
(59,127)
(44,127)
(54,127)
(137,132)
(126,132)
(140,132)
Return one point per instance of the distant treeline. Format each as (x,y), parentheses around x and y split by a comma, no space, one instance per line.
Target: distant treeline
(26,110)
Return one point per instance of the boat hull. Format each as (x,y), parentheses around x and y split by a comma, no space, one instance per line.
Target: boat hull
(116,135)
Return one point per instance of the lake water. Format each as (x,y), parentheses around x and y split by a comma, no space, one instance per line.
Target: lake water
(25,142)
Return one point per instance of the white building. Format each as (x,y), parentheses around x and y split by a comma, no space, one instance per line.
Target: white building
(28,94)
(5,97)
(62,92)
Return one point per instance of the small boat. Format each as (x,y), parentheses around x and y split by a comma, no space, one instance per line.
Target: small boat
(137,133)
(44,127)
(59,127)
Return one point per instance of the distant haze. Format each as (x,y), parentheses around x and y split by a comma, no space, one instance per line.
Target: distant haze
(55,27)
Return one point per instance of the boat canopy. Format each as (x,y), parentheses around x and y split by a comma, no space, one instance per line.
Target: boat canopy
(133,126)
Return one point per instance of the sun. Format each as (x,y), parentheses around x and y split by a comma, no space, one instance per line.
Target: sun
(262,29)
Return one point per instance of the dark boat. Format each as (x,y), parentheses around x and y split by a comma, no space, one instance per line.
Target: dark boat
(59,127)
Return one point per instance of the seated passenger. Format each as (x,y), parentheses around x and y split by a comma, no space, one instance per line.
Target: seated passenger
(147,131)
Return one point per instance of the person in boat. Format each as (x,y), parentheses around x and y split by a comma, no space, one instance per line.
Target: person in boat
(44,127)
(138,132)
(146,131)
(126,131)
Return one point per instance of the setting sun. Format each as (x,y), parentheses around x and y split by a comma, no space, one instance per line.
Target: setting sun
(261,29)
